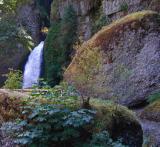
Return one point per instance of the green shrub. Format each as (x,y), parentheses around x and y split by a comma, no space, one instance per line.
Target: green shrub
(58,46)
(124,7)
(47,125)
(10,6)
(100,22)
(62,94)
(154,97)
(14,79)
(103,139)
(11,35)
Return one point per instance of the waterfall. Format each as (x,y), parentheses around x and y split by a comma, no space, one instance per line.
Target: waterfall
(33,67)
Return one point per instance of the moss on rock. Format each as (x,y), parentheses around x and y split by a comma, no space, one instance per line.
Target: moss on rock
(118,121)
(152,112)
(114,76)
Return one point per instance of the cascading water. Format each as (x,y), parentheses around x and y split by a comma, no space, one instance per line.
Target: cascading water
(33,67)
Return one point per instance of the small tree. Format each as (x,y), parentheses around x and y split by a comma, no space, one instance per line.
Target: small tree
(14,79)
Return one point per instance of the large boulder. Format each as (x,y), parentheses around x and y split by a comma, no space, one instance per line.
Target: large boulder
(120,122)
(121,62)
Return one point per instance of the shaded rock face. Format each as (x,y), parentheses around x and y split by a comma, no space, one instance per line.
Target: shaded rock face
(12,58)
(130,60)
(28,16)
(88,11)
(83,10)
(152,112)
(116,9)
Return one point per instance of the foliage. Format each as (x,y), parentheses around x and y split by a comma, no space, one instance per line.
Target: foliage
(154,97)
(14,79)
(10,6)
(124,7)
(103,139)
(100,22)
(9,108)
(58,46)
(53,117)
(62,94)
(47,125)
(54,11)
(11,35)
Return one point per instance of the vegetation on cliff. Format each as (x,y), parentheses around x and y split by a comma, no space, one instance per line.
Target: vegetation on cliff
(152,111)
(58,46)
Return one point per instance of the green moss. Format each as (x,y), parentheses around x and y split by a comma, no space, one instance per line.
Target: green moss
(117,120)
(152,112)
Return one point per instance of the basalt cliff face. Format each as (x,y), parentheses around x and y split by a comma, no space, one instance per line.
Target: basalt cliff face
(91,11)
(28,16)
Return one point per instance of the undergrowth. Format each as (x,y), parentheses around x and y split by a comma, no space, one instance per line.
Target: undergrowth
(14,79)
(52,117)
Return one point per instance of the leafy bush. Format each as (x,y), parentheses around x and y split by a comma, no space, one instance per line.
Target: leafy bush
(154,97)
(58,46)
(100,22)
(124,7)
(47,125)
(54,117)
(13,37)
(103,139)
(14,79)
(62,94)
(10,6)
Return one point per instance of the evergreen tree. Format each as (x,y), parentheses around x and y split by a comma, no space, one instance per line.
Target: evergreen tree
(58,47)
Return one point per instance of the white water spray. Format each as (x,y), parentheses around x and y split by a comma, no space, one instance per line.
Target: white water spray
(33,67)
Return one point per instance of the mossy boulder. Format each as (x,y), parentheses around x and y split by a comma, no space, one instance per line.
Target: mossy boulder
(152,112)
(121,61)
(118,121)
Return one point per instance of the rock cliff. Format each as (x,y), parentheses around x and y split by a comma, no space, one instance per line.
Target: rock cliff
(90,11)
(120,62)
(28,16)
